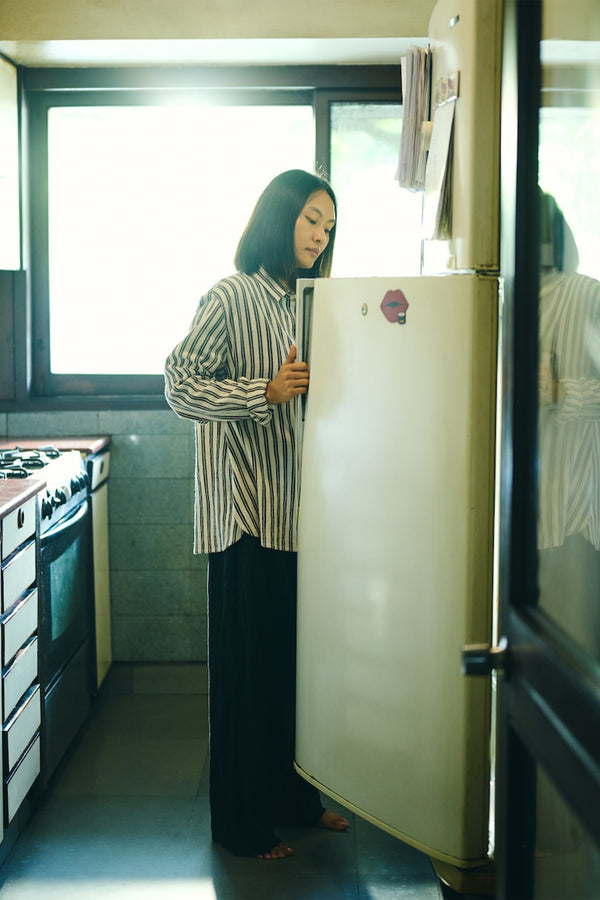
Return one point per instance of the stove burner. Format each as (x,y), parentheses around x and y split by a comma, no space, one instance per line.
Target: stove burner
(18,457)
(13,472)
(64,473)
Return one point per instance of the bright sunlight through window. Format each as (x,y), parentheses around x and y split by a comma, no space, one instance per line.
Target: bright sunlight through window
(146,206)
(378,222)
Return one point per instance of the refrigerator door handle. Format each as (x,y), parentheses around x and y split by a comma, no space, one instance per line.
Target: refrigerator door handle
(483,659)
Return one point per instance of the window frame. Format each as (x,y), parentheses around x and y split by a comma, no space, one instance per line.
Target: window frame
(43,89)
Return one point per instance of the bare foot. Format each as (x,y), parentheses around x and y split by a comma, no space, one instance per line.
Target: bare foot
(333,822)
(281,851)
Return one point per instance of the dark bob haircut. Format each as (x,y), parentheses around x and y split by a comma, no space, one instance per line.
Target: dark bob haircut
(268,239)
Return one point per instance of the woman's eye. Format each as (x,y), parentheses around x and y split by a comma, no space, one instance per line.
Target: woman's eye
(312,221)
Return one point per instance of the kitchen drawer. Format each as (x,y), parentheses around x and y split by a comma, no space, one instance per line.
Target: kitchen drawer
(17,526)
(22,779)
(17,575)
(22,726)
(20,675)
(18,623)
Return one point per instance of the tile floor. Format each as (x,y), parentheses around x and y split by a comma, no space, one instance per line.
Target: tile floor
(126,817)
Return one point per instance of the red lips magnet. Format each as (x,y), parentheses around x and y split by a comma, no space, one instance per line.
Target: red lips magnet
(394,306)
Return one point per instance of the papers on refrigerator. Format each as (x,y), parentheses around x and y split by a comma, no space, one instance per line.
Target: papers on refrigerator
(437,205)
(416,98)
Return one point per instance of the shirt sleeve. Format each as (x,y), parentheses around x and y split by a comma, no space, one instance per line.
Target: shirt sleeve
(198,383)
(580,399)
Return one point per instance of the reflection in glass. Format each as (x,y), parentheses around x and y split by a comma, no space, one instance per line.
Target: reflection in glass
(569,170)
(569,352)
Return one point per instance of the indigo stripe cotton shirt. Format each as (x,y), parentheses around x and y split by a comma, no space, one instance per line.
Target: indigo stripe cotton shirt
(569,471)
(245,447)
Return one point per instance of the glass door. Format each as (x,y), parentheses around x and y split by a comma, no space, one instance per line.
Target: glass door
(548,812)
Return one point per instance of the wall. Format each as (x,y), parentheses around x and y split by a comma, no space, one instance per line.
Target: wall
(570,20)
(39,20)
(158,587)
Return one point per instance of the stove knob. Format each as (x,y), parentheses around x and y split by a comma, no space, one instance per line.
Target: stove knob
(46,508)
(59,496)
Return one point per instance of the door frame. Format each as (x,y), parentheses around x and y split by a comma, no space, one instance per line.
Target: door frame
(549,692)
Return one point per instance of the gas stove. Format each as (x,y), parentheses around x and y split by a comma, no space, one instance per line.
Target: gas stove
(63,471)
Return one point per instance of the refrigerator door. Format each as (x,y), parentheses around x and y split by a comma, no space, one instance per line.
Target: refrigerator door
(395,555)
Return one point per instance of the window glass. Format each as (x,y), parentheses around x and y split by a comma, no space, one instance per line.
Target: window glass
(567,859)
(379,223)
(569,342)
(569,163)
(146,206)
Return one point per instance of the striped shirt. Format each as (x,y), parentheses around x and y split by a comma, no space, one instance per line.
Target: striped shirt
(245,448)
(569,441)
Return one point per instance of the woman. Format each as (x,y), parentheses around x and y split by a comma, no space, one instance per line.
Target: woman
(569,433)
(236,374)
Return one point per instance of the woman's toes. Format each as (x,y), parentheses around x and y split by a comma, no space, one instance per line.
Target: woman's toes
(333,822)
(278,852)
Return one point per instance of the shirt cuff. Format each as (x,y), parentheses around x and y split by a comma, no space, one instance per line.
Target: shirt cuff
(259,409)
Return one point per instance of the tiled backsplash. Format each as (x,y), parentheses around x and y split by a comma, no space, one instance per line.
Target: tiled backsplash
(158,586)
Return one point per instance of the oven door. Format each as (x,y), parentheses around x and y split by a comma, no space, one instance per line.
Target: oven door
(65,615)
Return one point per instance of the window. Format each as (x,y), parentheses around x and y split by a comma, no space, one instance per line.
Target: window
(378,231)
(139,197)
(146,205)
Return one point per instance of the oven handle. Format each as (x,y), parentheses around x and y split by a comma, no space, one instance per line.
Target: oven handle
(66,523)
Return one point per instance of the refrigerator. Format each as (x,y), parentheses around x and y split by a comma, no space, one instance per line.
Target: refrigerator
(396,507)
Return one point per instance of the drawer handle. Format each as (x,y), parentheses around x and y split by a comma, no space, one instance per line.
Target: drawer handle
(20,518)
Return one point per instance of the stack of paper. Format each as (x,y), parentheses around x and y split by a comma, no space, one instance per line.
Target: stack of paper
(437,206)
(416,98)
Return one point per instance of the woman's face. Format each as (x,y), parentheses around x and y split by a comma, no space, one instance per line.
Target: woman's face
(311,232)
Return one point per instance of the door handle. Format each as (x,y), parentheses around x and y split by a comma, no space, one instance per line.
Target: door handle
(483,659)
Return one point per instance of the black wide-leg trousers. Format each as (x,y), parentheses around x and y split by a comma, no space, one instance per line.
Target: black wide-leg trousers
(252,690)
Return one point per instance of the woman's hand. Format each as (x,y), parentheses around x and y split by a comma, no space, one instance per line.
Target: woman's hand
(292,379)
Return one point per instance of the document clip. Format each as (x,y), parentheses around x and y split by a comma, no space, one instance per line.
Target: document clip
(394,306)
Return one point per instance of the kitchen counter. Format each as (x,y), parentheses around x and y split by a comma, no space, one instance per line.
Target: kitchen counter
(14,492)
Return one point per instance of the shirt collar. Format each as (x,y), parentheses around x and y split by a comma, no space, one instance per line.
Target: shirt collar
(277,290)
